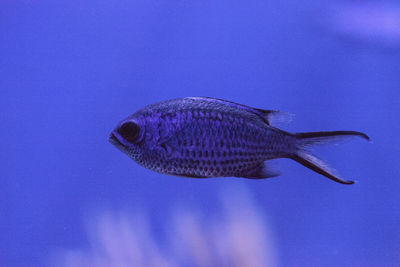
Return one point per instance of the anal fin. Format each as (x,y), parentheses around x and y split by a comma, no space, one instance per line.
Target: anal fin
(261,172)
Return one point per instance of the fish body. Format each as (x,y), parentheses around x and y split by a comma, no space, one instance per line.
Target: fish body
(206,137)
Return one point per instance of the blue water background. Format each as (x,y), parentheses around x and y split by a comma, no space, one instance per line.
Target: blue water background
(70,70)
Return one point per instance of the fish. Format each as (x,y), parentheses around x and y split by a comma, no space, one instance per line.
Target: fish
(204,137)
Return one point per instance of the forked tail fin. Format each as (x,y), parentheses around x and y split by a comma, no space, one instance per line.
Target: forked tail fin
(308,160)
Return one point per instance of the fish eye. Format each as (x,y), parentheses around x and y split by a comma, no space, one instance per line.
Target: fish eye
(129,131)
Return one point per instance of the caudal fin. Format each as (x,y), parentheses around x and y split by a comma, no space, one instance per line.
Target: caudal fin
(304,157)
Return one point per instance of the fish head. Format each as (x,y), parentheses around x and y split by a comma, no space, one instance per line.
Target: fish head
(128,137)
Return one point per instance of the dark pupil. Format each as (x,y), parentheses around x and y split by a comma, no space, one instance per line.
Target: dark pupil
(129,131)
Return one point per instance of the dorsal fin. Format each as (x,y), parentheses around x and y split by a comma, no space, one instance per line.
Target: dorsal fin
(267,116)
(275,116)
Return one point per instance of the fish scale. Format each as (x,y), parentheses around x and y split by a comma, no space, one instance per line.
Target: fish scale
(237,146)
(207,137)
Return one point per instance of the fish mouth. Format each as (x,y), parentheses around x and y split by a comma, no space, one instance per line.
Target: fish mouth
(114,140)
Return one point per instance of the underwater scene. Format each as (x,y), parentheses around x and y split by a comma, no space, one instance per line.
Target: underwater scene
(199,133)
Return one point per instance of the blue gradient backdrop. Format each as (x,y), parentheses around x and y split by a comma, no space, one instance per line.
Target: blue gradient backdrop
(70,70)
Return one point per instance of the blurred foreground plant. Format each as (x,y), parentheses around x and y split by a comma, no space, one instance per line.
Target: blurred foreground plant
(237,236)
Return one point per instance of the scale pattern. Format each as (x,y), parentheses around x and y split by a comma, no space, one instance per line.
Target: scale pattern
(202,138)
